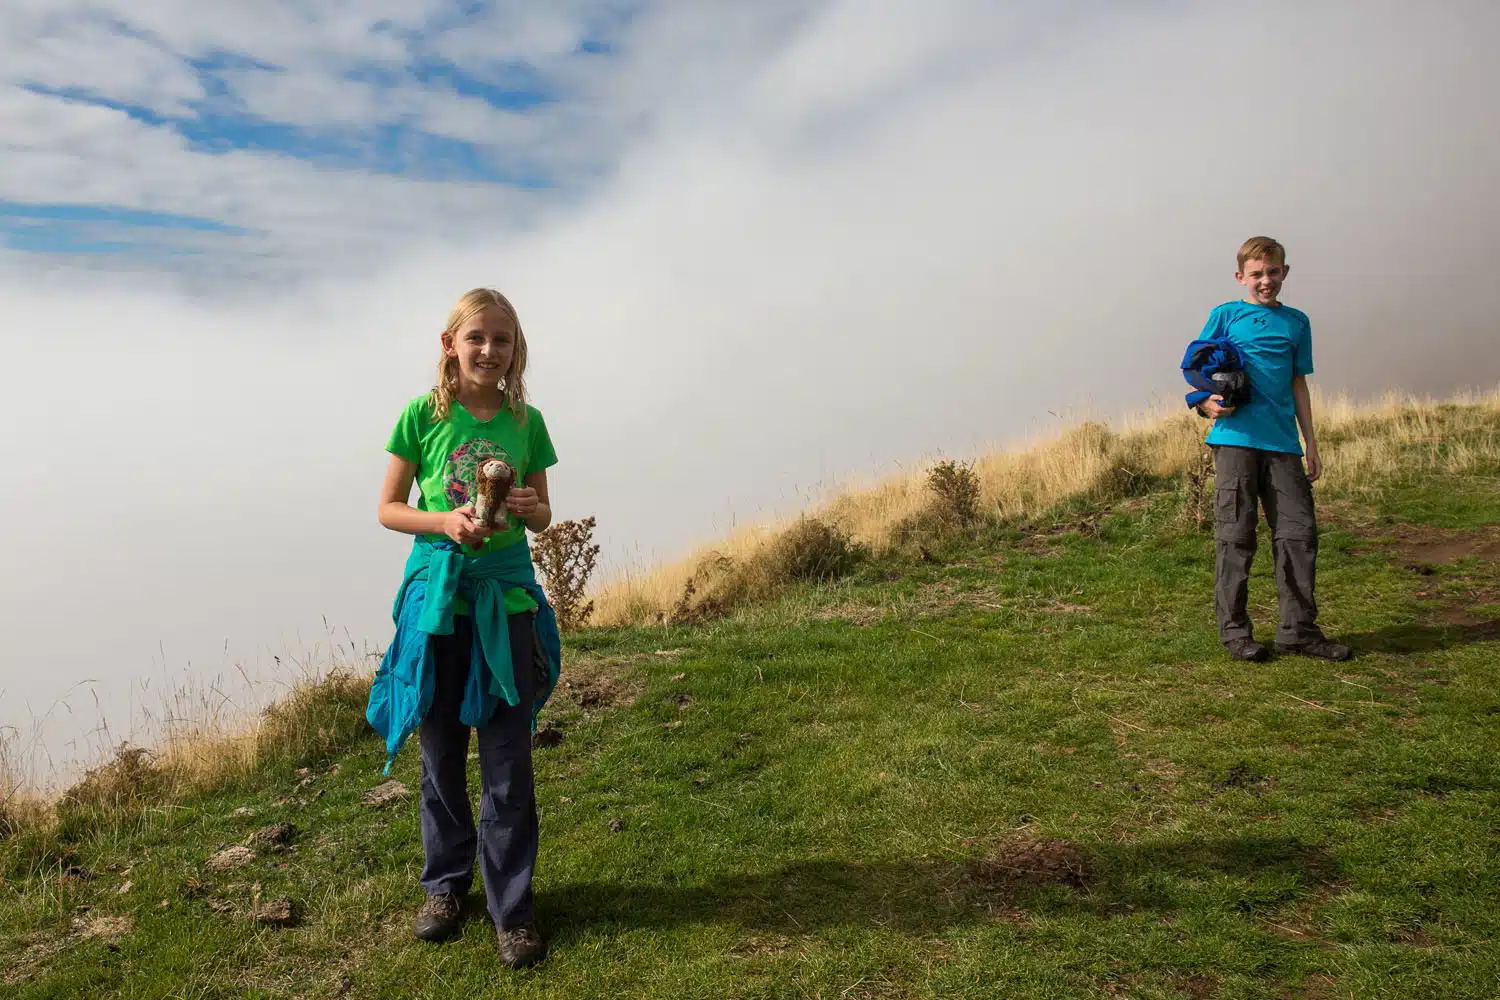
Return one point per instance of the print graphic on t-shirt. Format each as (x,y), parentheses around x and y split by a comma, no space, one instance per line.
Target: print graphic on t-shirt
(461,472)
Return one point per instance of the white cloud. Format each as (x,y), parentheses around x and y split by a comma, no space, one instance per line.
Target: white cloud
(90,54)
(286,64)
(790,278)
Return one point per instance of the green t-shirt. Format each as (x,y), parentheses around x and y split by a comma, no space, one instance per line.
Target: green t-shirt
(447,454)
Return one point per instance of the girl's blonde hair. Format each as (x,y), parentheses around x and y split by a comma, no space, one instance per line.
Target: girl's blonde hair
(513,385)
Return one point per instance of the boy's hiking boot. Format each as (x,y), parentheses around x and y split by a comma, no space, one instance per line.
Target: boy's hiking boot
(1323,649)
(437,920)
(522,946)
(1247,649)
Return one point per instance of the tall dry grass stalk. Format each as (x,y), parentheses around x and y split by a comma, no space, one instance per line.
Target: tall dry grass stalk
(1360,443)
(319,717)
(197,737)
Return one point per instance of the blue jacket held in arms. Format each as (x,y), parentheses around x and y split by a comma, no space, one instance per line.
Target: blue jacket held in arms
(1205,359)
(436,573)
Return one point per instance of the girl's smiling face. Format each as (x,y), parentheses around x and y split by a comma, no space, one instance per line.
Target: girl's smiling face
(484,346)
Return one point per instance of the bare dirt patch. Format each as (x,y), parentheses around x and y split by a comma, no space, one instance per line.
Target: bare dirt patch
(272,837)
(1463,616)
(39,950)
(547,736)
(1418,545)
(1314,987)
(596,683)
(1245,777)
(762,946)
(1028,862)
(1415,937)
(1132,984)
(1198,987)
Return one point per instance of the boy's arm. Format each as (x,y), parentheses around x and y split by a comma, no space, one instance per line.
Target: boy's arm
(1303,402)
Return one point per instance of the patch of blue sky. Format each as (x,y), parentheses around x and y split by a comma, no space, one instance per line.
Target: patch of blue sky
(512,86)
(397,150)
(22,213)
(65,240)
(78,230)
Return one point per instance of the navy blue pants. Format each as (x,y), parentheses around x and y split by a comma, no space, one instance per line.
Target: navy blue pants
(506,840)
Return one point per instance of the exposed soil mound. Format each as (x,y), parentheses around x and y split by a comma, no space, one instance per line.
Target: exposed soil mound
(1030,862)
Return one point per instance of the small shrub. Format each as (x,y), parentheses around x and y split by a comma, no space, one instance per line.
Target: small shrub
(691,607)
(812,551)
(128,780)
(117,791)
(565,554)
(317,720)
(957,487)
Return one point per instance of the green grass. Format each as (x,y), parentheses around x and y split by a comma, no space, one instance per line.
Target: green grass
(1023,769)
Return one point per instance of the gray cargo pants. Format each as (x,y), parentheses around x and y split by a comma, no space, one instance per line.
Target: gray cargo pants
(1277,481)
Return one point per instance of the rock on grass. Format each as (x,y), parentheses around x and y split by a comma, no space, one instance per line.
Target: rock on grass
(385,793)
(274,913)
(275,835)
(230,858)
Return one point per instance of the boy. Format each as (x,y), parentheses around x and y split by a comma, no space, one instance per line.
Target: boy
(1258,458)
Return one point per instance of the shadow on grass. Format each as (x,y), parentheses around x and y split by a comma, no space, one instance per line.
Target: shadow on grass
(1423,638)
(925,896)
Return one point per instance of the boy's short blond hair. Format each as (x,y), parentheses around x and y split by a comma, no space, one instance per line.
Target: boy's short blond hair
(1260,248)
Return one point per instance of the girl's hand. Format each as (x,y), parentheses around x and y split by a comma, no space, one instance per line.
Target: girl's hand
(460,526)
(522,501)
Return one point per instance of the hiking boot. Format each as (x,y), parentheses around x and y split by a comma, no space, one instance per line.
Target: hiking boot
(1320,647)
(1247,649)
(437,920)
(522,946)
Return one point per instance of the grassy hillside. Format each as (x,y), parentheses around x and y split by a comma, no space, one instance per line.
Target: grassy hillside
(1003,759)
(1363,446)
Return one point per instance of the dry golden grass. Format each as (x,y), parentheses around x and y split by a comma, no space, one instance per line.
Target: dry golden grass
(318,716)
(1359,442)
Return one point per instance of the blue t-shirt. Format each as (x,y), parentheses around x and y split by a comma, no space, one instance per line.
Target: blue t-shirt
(1275,343)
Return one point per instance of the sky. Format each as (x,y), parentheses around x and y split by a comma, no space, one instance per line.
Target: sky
(758,250)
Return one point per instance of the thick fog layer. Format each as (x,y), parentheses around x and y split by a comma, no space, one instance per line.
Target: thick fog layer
(853,236)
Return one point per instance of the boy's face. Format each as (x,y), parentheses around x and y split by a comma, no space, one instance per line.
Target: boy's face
(1262,278)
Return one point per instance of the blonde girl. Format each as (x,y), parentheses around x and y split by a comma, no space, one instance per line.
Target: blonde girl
(476,643)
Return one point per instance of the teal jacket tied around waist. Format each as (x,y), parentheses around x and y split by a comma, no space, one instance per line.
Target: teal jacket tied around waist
(436,573)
